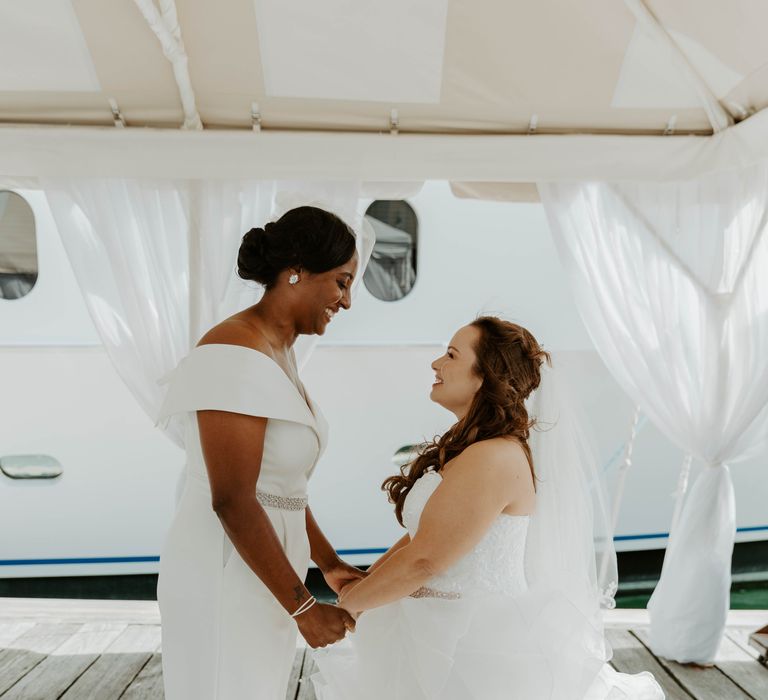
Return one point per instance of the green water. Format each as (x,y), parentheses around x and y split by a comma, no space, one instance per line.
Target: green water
(743,597)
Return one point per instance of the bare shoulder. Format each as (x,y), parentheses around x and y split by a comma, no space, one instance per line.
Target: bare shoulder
(500,456)
(499,450)
(497,466)
(235,331)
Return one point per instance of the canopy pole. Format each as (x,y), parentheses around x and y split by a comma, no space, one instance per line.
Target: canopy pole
(718,117)
(195,265)
(618,495)
(168,32)
(624,469)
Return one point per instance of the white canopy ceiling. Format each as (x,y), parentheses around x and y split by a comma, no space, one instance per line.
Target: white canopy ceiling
(443,67)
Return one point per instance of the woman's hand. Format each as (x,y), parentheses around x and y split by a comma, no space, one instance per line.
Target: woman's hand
(343,601)
(323,624)
(341,575)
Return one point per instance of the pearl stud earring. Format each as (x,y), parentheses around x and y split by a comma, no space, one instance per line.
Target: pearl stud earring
(293,279)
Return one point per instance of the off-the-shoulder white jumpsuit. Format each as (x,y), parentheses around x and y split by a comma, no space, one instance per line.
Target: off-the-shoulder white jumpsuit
(224,636)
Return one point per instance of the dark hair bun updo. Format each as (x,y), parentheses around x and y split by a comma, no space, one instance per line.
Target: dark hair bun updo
(308,238)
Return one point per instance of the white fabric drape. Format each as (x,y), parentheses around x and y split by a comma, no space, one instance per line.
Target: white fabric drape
(342,198)
(127,244)
(669,279)
(156,261)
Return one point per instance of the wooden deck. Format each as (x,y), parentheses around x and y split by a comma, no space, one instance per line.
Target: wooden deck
(105,650)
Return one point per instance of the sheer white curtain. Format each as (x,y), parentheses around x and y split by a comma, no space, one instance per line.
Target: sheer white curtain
(670,281)
(220,212)
(343,199)
(156,260)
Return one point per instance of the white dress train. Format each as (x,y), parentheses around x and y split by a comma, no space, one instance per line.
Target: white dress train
(477,632)
(224,636)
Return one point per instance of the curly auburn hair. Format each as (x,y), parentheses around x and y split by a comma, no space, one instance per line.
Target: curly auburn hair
(509,363)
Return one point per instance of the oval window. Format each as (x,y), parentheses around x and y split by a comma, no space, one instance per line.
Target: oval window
(18,246)
(391,271)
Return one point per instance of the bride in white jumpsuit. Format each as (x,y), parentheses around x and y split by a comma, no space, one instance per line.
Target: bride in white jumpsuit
(233,566)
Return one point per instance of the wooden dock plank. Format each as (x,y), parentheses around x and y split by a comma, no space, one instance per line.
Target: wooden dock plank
(703,683)
(293,682)
(148,685)
(306,689)
(758,640)
(30,649)
(631,656)
(51,654)
(54,674)
(740,637)
(10,631)
(113,671)
(742,669)
(63,610)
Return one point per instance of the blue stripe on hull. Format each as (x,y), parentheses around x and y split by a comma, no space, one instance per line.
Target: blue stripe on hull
(86,560)
(662,535)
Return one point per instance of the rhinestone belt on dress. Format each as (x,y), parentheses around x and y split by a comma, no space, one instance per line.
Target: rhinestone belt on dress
(270,500)
(425,592)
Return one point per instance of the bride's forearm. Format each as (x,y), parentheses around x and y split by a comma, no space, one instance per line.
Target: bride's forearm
(404,540)
(400,575)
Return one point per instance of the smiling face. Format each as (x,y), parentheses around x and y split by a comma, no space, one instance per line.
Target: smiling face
(324,294)
(456,382)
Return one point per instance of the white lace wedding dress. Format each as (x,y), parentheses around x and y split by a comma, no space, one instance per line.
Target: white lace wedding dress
(475,632)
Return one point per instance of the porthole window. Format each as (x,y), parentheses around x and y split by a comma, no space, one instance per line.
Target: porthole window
(391,272)
(18,246)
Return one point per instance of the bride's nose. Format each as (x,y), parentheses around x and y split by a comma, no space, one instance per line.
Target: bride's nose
(435,366)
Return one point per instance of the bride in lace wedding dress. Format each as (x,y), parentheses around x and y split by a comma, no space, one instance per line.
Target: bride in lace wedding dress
(495,591)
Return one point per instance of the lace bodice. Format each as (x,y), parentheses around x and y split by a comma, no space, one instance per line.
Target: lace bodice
(496,564)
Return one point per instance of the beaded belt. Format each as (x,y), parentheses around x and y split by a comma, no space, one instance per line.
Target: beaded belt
(425,592)
(270,500)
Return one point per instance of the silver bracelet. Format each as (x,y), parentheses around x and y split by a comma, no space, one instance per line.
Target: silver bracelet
(306,605)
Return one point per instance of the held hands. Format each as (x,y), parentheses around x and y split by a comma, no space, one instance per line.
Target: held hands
(343,579)
(343,601)
(341,575)
(324,624)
